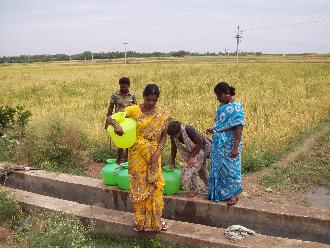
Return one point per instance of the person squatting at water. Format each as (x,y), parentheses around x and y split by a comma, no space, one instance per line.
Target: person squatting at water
(194,149)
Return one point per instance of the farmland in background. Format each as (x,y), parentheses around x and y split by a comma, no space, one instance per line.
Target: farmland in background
(284,97)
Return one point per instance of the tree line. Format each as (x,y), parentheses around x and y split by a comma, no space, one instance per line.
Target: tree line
(87,55)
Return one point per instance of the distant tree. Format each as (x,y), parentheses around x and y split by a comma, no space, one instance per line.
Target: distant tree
(180,53)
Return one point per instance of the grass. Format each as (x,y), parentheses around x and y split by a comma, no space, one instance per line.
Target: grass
(102,152)
(53,144)
(308,170)
(102,240)
(7,149)
(51,230)
(282,101)
(9,208)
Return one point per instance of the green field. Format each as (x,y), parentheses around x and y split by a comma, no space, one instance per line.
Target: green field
(284,97)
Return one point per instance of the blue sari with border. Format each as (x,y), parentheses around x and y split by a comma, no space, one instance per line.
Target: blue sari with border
(225,179)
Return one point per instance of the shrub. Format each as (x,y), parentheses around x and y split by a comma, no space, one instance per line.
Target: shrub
(101,153)
(14,119)
(54,230)
(53,144)
(7,148)
(12,128)
(9,208)
(7,115)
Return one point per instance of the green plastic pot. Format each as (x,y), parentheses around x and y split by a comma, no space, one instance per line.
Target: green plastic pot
(177,171)
(109,172)
(172,181)
(122,177)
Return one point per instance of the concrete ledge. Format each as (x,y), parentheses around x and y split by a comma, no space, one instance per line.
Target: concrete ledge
(266,218)
(119,222)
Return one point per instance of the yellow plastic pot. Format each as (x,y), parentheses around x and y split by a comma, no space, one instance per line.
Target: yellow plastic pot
(129,127)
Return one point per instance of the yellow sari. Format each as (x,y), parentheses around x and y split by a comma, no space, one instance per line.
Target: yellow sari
(147,181)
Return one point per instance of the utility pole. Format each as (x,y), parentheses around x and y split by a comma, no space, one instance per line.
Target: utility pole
(125,43)
(237,37)
(92,59)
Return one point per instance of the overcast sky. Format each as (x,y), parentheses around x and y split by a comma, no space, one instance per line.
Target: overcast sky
(74,26)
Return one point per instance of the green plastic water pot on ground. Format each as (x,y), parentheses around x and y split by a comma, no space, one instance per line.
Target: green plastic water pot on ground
(109,172)
(172,181)
(122,177)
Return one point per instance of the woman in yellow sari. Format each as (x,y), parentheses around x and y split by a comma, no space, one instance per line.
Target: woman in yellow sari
(144,161)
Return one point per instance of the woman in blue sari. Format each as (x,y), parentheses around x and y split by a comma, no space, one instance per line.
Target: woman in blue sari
(225,179)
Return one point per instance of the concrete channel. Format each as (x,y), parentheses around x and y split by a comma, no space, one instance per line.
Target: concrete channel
(119,222)
(295,222)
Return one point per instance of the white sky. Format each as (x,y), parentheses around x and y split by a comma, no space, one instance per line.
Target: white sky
(74,26)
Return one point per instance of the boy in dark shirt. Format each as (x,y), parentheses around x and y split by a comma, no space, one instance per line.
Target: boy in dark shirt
(194,149)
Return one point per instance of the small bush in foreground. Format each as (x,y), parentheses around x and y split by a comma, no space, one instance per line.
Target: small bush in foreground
(54,144)
(55,230)
(9,208)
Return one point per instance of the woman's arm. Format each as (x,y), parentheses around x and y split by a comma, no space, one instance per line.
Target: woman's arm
(199,144)
(174,150)
(117,128)
(162,141)
(209,131)
(163,137)
(238,136)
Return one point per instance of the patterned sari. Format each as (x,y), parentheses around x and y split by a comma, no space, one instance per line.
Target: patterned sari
(225,179)
(194,178)
(147,181)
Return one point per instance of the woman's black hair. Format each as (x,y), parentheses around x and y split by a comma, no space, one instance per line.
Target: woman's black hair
(223,87)
(124,80)
(174,128)
(151,89)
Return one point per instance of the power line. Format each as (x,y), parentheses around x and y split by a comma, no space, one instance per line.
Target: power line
(323,20)
(212,40)
(288,43)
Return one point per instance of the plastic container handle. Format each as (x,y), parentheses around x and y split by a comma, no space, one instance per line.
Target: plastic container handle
(110,161)
(168,169)
(119,116)
(116,170)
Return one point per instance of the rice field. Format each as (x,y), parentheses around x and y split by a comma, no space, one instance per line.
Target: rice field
(282,101)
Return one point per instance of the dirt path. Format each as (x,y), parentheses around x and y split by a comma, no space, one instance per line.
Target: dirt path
(254,189)
(302,148)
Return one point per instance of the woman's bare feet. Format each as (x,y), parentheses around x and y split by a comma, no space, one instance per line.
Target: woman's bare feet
(232,200)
